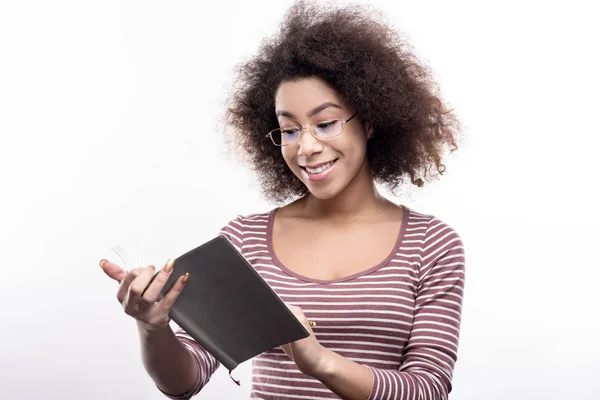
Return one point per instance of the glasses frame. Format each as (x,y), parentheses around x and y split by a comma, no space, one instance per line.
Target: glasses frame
(312,129)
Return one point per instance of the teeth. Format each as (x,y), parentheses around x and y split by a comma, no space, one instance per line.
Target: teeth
(319,169)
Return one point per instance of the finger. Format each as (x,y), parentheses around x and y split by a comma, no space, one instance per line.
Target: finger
(157,285)
(113,270)
(297,311)
(294,309)
(136,289)
(286,348)
(126,281)
(169,299)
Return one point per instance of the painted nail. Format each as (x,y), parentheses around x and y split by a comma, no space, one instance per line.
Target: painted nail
(169,266)
(185,277)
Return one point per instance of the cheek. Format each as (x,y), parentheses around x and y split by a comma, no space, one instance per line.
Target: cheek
(355,150)
(289,156)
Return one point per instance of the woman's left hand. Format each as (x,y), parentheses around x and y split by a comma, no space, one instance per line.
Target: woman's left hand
(308,354)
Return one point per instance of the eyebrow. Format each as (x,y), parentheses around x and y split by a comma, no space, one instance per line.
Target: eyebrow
(312,112)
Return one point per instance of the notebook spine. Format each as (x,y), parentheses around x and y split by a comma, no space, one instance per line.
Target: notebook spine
(202,338)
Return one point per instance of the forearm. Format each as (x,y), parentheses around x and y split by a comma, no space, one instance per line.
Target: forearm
(352,381)
(167,361)
(346,378)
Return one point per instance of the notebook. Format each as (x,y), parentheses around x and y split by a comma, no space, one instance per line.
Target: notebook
(227,307)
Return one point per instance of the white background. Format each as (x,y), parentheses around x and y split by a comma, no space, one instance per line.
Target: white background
(110,134)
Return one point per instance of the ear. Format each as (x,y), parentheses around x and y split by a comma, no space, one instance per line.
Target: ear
(369,129)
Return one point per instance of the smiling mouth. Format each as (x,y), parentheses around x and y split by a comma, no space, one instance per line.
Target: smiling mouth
(320,168)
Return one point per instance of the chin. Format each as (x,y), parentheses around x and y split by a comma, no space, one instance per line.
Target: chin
(324,193)
(321,195)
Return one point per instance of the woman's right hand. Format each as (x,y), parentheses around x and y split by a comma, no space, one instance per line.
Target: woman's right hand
(148,312)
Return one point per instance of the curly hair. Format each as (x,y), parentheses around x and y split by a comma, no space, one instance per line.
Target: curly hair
(373,71)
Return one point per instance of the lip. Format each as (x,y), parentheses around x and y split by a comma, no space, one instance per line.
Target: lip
(321,175)
(313,166)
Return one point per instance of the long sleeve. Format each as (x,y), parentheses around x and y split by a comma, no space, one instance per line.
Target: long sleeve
(205,363)
(431,352)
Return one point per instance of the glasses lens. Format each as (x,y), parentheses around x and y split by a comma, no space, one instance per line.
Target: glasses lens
(276,137)
(327,129)
(285,136)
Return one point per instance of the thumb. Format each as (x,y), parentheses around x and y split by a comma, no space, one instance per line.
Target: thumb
(113,270)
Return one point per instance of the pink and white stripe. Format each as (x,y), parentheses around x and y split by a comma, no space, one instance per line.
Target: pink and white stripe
(400,318)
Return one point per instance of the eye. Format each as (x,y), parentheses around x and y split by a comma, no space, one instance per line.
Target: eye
(328,128)
(325,124)
(290,131)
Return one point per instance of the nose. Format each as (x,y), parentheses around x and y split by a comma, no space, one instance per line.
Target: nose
(308,144)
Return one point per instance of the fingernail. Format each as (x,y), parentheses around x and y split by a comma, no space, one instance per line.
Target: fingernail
(169,266)
(102,262)
(185,277)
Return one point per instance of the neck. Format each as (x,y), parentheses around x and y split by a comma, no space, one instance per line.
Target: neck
(359,198)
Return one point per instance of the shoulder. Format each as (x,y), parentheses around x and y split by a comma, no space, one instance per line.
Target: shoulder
(442,248)
(433,227)
(244,225)
(243,222)
(436,235)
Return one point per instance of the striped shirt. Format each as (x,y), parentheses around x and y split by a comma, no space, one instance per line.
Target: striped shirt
(400,318)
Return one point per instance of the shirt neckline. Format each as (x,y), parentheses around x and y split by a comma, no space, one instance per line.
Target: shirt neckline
(393,252)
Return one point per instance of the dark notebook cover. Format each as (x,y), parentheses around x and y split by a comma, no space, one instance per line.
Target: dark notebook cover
(227,307)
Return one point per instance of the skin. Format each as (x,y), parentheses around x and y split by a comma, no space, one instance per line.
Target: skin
(341,213)
(167,362)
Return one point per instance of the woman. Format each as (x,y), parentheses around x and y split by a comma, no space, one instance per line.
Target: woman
(332,105)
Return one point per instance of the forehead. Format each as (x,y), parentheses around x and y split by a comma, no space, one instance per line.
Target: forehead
(299,96)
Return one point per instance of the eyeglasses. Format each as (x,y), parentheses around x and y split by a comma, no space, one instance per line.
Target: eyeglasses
(321,130)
